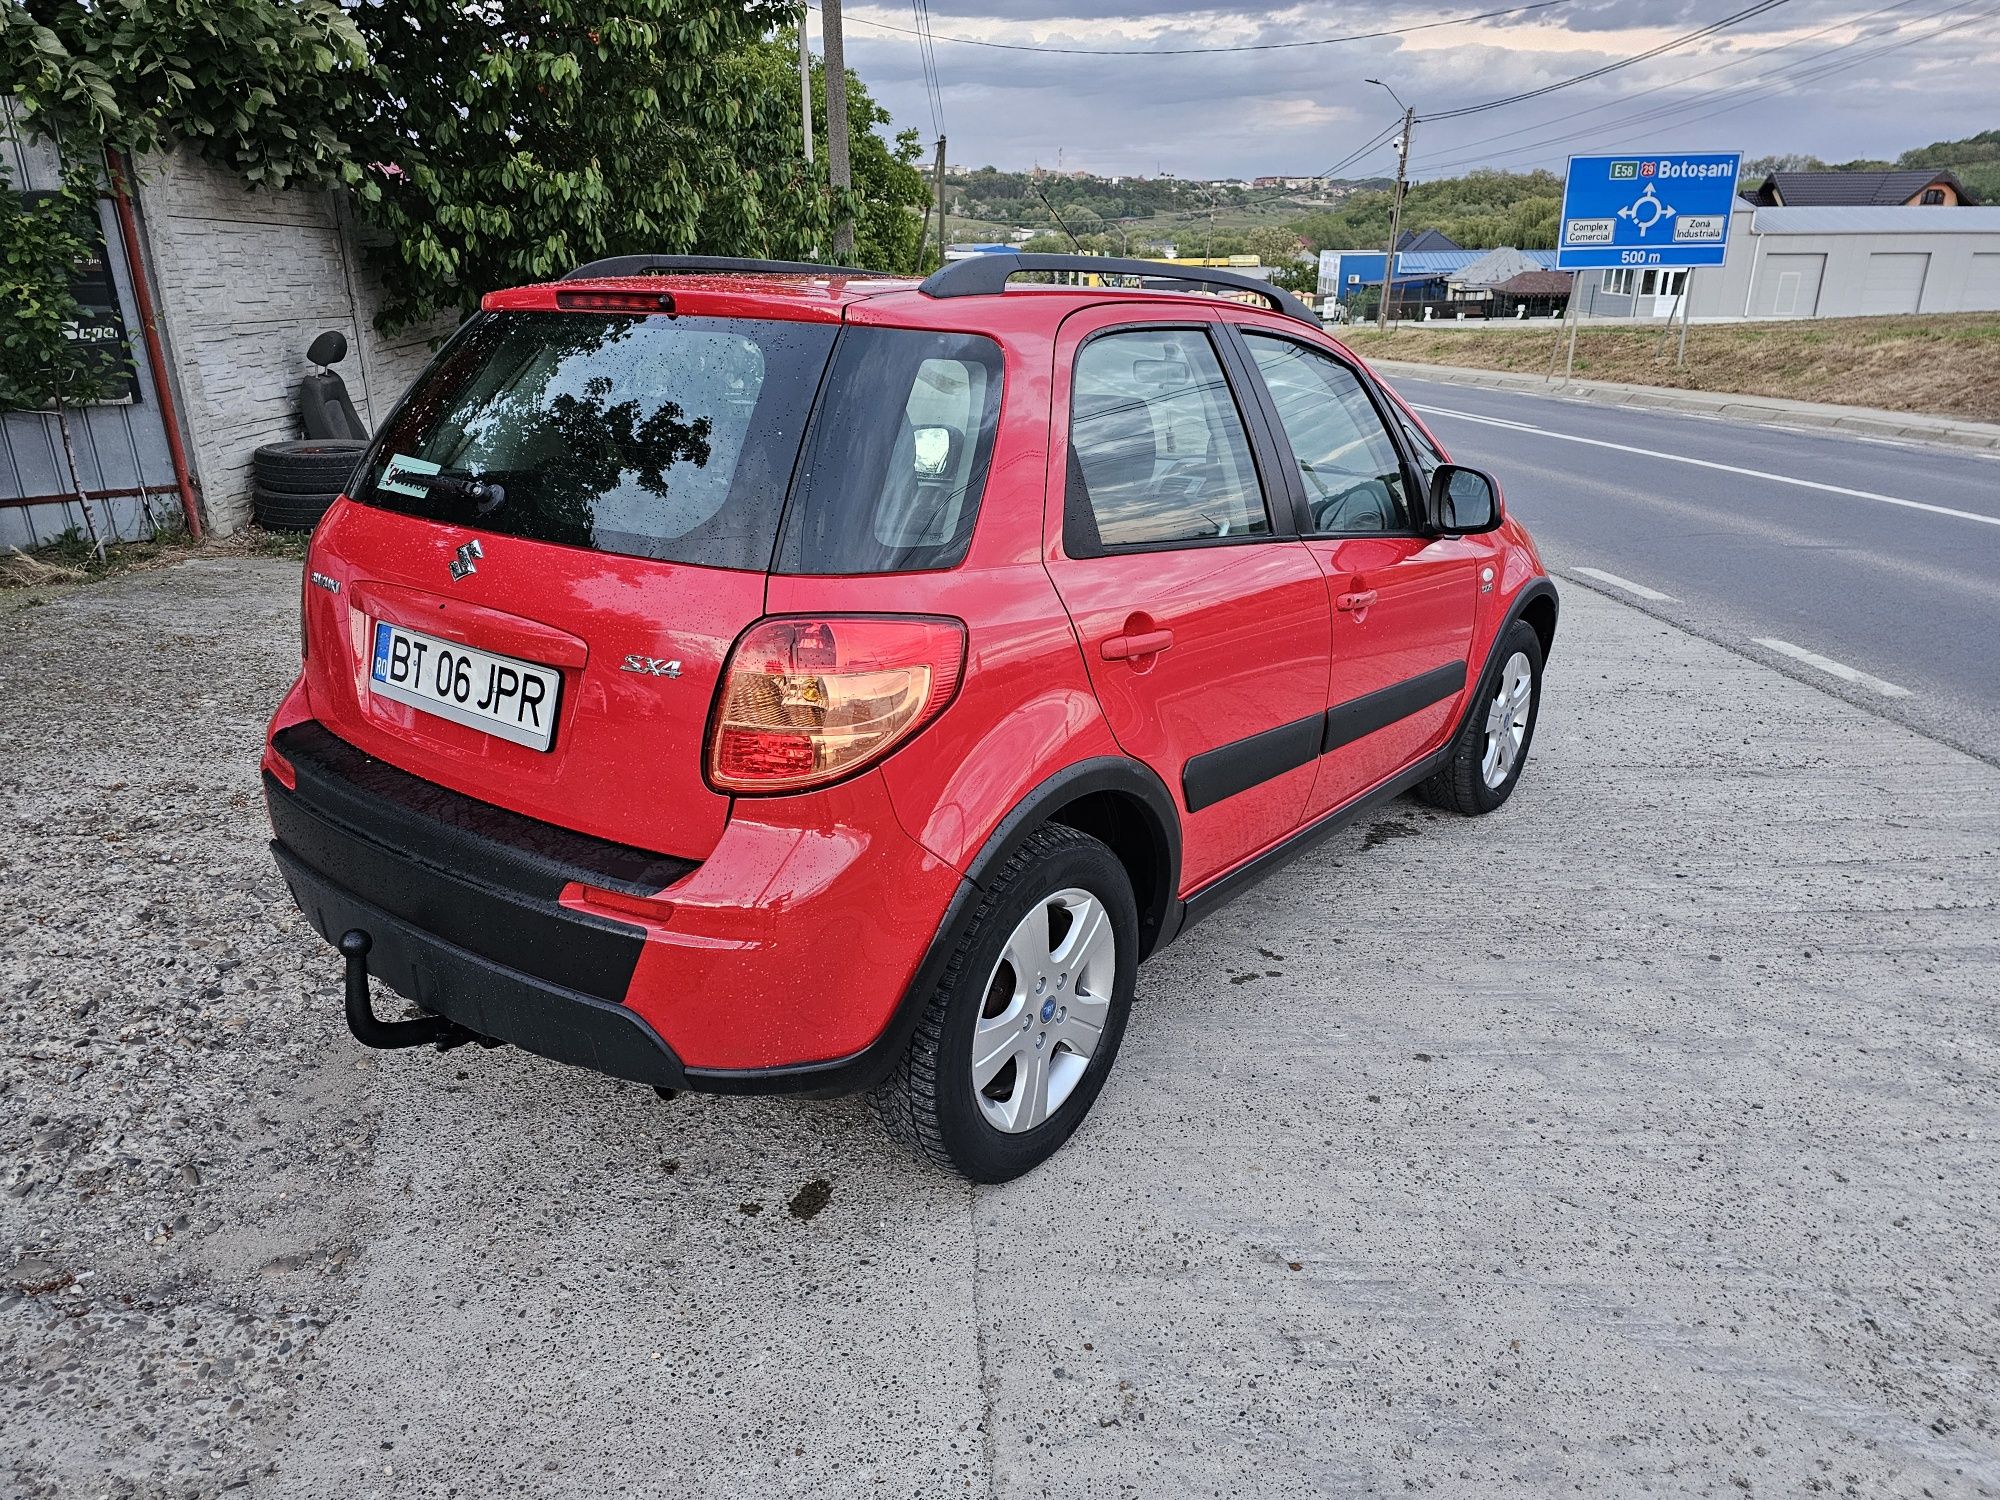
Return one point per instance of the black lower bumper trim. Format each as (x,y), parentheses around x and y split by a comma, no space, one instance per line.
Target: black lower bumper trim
(482,996)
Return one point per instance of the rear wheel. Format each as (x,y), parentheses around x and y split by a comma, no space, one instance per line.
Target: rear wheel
(1016,1041)
(1492,745)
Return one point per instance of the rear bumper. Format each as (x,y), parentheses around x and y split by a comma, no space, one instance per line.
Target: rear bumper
(484,996)
(782,962)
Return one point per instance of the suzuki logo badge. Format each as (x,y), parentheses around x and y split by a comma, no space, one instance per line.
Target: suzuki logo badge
(462,560)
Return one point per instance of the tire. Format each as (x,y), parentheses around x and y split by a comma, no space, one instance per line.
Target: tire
(285,512)
(930,1103)
(315,467)
(1463,785)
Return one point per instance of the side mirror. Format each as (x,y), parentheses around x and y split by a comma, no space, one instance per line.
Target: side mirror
(1463,502)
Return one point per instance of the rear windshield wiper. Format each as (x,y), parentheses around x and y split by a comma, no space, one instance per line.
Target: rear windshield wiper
(484,494)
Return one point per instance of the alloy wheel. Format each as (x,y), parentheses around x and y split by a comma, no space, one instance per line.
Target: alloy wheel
(1045,1008)
(1507,720)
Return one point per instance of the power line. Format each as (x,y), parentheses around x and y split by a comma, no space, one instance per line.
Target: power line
(1354,156)
(1772,82)
(1324,41)
(1638,57)
(1625,99)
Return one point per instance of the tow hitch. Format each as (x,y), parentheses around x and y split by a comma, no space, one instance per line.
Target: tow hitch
(372,1032)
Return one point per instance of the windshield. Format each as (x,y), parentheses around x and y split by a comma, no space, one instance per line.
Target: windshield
(670,438)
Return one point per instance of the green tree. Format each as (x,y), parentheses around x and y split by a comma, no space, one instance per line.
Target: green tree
(251,86)
(892,191)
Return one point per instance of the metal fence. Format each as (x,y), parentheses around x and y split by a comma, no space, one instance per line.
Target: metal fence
(122,458)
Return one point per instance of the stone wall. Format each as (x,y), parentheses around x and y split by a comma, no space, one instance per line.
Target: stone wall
(246,279)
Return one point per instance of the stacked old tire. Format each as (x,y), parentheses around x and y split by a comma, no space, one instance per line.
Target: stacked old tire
(295,482)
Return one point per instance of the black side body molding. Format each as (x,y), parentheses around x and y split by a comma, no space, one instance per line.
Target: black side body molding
(1219,892)
(1349,721)
(1214,775)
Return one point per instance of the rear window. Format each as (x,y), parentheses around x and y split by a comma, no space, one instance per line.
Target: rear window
(678,438)
(672,438)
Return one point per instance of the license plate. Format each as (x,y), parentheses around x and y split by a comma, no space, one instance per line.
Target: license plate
(513,699)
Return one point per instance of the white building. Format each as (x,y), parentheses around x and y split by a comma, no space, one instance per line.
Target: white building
(1824,262)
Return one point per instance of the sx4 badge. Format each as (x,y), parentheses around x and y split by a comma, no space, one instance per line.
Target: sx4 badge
(652,666)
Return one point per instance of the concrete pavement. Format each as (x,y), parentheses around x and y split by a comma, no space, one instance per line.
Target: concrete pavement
(1637,1139)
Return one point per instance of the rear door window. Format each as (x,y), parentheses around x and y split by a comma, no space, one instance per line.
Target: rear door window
(898,456)
(1158,454)
(670,438)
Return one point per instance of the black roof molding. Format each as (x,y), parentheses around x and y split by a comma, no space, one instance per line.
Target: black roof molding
(683,265)
(987,275)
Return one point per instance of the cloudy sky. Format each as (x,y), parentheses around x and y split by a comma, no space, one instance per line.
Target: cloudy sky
(1836,78)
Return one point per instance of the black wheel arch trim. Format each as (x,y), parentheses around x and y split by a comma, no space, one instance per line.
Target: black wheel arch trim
(1159,919)
(1536,588)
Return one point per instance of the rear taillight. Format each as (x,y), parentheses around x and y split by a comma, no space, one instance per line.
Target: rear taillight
(808,701)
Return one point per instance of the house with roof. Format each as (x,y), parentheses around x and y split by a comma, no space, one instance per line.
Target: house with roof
(1902,187)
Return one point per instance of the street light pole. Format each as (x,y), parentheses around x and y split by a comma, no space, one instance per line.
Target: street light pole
(1395,206)
(805,83)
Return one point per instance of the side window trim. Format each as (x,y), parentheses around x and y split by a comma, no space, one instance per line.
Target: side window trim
(1079,523)
(1391,427)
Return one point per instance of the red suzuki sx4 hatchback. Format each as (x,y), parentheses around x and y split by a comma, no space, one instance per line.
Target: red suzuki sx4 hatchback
(753,676)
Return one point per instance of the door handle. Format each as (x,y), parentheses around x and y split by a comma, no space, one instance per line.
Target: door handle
(1130,647)
(1359,599)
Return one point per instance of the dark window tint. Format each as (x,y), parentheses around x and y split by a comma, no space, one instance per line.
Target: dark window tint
(898,455)
(1157,451)
(1353,473)
(659,437)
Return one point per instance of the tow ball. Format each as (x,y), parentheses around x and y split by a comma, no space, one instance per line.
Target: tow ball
(371,1031)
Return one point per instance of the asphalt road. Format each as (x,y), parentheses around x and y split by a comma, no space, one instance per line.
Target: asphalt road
(1882,559)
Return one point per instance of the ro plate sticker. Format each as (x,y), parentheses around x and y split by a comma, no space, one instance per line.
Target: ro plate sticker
(401,464)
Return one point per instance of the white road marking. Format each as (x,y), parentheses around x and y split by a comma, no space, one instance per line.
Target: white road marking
(1838,669)
(1704,463)
(1627,585)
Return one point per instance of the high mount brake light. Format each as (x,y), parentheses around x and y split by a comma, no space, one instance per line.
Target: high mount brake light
(806,701)
(616,302)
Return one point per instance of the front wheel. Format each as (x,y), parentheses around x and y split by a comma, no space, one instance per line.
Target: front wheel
(1492,745)
(1016,1041)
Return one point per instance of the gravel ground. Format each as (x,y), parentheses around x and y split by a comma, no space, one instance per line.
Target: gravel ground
(1639,1139)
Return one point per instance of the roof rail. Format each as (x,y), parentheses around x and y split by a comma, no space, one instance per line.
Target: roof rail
(673,265)
(985,275)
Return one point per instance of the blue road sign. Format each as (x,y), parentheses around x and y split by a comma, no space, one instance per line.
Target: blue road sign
(1663,209)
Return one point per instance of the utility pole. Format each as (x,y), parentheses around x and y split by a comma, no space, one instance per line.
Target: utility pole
(838,175)
(940,208)
(1395,207)
(806,83)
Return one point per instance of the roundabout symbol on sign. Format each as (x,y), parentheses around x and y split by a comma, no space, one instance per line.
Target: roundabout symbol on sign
(1645,211)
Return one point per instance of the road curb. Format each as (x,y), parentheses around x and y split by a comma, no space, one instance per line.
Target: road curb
(1859,421)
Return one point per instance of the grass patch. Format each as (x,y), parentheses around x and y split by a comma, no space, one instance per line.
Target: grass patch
(70,559)
(1945,365)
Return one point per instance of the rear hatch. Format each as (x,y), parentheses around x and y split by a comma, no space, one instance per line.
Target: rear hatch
(558,536)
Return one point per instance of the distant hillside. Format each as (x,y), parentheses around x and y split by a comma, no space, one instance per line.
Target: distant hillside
(1479,211)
